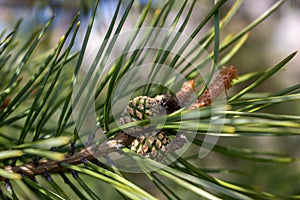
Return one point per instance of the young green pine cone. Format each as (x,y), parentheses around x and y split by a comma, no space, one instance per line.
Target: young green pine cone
(144,140)
(154,147)
(159,146)
(144,107)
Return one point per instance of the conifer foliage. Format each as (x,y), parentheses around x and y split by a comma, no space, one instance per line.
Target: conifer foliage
(41,152)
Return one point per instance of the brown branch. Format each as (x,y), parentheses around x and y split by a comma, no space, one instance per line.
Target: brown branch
(52,166)
(220,85)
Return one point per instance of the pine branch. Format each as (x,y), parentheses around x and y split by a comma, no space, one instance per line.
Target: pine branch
(220,85)
(52,166)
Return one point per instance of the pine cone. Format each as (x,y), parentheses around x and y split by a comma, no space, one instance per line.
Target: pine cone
(144,140)
(159,146)
(153,147)
(144,107)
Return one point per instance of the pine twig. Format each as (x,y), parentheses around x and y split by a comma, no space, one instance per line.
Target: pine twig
(220,85)
(52,166)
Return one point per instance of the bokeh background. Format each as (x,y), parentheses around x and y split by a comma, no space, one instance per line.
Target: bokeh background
(267,44)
